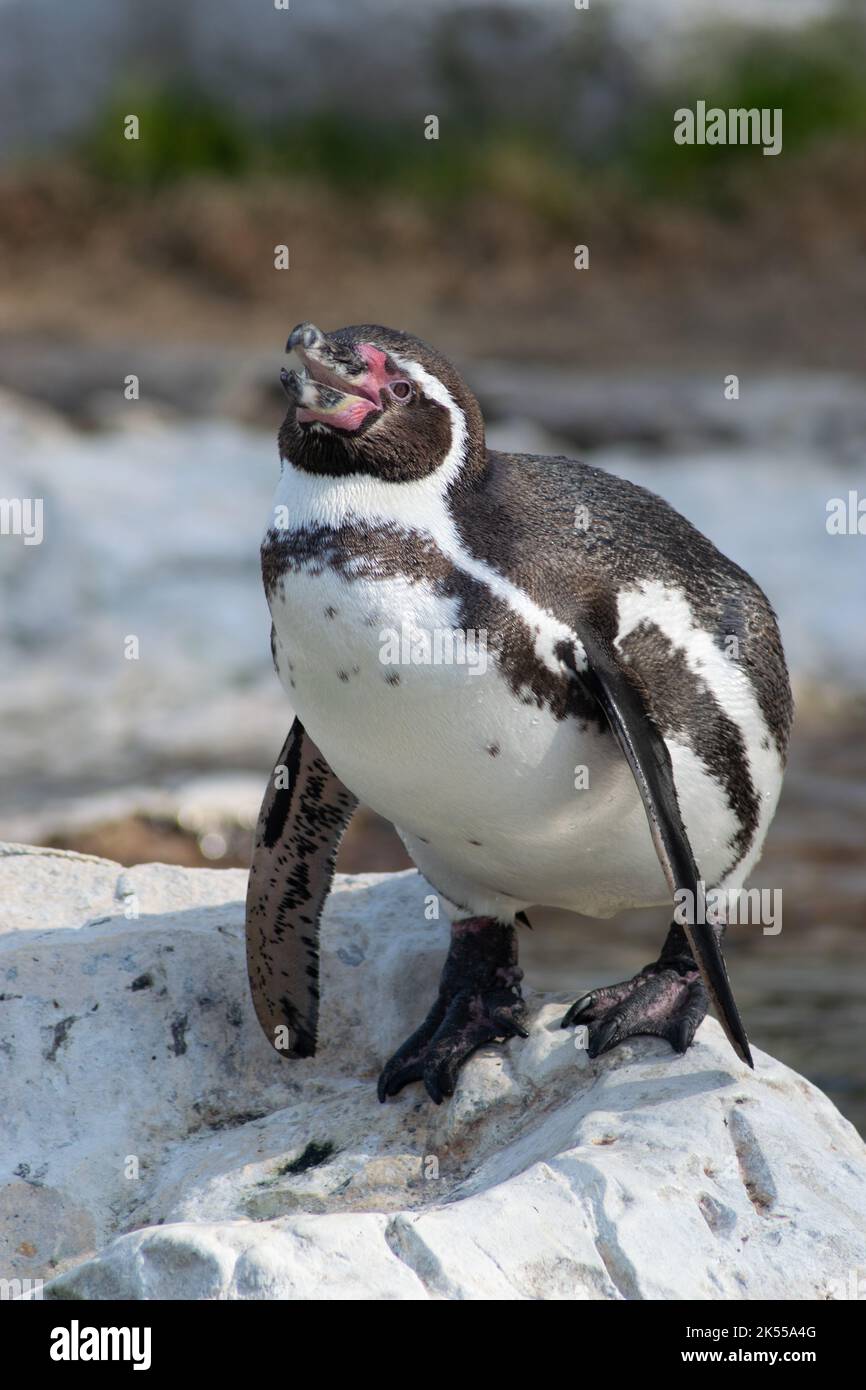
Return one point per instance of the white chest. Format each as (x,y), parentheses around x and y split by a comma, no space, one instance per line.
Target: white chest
(491,793)
(496,797)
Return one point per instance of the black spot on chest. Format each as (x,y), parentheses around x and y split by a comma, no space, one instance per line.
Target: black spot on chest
(383,553)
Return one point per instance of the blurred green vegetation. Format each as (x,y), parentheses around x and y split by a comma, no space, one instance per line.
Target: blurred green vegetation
(817,75)
(183,134)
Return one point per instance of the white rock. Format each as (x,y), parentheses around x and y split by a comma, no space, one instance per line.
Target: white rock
(150,1132)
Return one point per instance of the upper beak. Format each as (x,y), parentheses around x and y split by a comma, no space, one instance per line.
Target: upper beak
(335,387)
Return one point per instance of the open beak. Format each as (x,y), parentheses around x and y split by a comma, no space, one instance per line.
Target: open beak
(338,386)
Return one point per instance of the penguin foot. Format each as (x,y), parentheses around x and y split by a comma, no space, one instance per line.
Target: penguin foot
(665,1000)
(479,1002)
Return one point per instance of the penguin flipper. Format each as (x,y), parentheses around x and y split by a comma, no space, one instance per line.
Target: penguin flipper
(627,709)
(303,816)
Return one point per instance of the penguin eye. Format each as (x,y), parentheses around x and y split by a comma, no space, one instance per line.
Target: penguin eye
(401,389)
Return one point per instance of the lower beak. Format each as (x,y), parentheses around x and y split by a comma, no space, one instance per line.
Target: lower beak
(320,403)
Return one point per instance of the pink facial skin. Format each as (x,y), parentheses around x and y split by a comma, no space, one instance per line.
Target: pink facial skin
(349,414)
(352,410)
(378,375)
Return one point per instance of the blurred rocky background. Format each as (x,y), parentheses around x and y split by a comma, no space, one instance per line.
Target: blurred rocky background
(306,127)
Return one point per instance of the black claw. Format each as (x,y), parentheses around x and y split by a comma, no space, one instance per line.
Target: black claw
(394,1078)
(433,1090)
(680,1035)
(584,1002)
(602,1038)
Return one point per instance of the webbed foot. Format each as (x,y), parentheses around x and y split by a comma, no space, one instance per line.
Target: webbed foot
(664,1000)
(479,1002)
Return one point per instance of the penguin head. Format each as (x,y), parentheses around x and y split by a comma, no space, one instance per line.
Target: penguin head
(377,401)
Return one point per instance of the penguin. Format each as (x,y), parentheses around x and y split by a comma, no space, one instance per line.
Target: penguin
(614,734)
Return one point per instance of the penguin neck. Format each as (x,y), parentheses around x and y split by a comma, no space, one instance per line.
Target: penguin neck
(314,500)
(311,500)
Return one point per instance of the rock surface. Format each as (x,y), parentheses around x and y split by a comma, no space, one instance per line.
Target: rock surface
(155,1147)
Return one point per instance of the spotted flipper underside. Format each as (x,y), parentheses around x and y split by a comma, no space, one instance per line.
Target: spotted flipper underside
(304,813)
